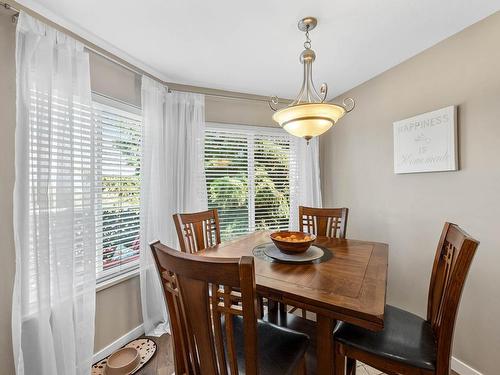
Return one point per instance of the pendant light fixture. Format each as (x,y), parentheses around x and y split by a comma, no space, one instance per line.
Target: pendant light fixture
(308,115)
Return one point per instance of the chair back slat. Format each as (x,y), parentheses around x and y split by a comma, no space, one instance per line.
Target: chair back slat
(329,222)
(194,296)
(197,231)
(218,336)
(179,335)
(203,296)
(453,258)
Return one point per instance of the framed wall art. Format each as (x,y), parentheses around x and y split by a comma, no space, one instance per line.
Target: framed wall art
(427,142)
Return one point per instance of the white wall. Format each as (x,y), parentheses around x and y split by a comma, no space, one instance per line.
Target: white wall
(408,211)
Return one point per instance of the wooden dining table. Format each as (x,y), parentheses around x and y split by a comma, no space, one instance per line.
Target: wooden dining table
(348,285)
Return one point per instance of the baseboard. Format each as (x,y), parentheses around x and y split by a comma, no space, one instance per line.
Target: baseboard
(117,344)
(462,368)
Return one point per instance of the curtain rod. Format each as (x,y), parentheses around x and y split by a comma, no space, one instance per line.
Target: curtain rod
(16,7)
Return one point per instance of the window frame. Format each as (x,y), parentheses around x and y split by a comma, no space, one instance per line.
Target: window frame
(250,131)
(108,278)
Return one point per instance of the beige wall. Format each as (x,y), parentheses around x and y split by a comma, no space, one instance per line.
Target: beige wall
(408,211)
(7,126)
(110,79)
(238,111)
(118,311)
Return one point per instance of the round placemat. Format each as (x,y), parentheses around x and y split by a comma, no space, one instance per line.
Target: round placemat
(269,252)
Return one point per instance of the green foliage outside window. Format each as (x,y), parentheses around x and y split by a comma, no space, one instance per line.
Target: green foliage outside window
(228,178)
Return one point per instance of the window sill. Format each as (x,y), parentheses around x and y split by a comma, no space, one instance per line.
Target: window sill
(117,279)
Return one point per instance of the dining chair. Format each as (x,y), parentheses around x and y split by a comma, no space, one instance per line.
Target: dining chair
(212,304)
(409,344)
(328,222)
(197,231)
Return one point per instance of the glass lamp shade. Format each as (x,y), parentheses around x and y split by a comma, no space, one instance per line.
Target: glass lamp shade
(310,119)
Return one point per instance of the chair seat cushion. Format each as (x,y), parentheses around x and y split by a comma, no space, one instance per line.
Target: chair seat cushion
(279,349)
(405,338)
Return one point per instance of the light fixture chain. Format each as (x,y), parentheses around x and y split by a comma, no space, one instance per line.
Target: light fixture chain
(307,43)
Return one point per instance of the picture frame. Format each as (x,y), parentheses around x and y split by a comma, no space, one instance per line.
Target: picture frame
(426,142)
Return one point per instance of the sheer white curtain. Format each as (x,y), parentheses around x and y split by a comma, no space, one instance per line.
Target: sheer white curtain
(172,181)
(54,292)
(185,157)
(305,182)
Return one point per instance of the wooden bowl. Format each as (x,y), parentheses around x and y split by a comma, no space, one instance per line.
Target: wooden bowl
(284,241)
(122,362)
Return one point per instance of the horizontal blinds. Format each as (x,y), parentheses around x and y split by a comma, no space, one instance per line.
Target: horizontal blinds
(248,179)
(272,181)
(227,171)
(118,156)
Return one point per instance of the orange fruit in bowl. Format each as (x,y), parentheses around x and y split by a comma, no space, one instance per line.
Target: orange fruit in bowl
(292,242)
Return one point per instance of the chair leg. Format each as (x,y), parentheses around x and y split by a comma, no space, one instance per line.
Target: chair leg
(282,308)
(339,361)
(351,366)
(260,302)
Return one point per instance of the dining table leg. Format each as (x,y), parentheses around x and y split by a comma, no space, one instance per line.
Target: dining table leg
(324,346)
(272,311)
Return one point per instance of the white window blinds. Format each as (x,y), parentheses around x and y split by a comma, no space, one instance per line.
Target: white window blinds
(118,148)
(248,177)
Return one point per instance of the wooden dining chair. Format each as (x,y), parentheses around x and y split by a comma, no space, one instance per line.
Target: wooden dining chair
(197,231)
(409,344)
(213,316)
(328,222)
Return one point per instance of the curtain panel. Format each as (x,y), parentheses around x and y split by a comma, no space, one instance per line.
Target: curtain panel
(305,180)
(172,180)
(54,291)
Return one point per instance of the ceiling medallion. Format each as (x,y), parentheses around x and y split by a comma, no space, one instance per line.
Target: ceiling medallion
(308,115)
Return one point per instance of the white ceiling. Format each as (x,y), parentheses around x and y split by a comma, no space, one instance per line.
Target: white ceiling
(253,46)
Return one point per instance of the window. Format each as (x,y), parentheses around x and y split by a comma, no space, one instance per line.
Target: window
(248,177)
(118,157)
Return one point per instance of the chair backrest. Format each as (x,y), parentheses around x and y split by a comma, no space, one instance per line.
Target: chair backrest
(202,302)
(451,264)
(197,231)
(329,222)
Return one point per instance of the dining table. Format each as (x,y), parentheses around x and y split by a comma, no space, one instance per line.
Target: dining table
(348,283)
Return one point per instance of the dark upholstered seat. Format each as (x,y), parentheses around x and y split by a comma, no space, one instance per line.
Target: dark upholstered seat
(279,349)
(406,338)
